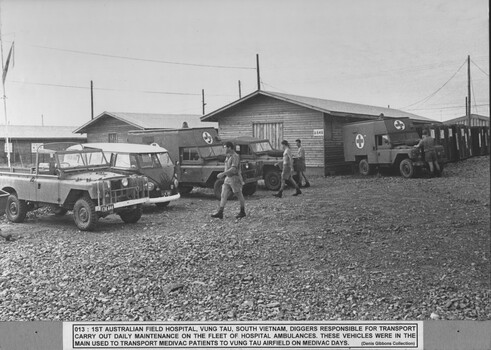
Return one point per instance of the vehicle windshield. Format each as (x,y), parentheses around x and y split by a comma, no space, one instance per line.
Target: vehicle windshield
(404,138)
(73,160)
(211,151)
(149,160)
(261,147)
(164,159)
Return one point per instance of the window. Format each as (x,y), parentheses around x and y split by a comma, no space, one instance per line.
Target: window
(383,140)
(164,159)
(125,161)
(190,154)
(149,160)
(113,137)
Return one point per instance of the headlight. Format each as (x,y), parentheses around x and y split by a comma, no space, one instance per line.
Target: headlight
(247,166)
(124,182)
(151,186)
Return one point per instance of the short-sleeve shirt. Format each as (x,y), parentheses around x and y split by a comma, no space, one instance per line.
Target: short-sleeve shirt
(234,179)
(428,144)
(301,153)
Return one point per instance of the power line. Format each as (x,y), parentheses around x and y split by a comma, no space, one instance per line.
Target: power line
(447,107)
(482,70)
(141,59)
(112,89)
(438,90)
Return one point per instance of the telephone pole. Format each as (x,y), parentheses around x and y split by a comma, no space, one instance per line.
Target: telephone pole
(258,73)
(203,100)
(91,99)
(469,89)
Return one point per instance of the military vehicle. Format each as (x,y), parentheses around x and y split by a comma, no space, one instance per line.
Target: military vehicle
(199,154)
(260,150)
(151,161)
(80,180)
(386,143)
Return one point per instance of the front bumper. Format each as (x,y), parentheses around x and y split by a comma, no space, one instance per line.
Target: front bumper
(164,199)
(122,204)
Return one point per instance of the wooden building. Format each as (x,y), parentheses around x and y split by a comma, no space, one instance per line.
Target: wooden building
(317,122)
(114,126)
(476,120)
(25,139)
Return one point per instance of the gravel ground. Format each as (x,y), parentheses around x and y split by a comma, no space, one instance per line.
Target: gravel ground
(357,248)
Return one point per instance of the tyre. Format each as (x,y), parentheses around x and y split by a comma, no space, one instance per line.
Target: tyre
(272,180)
(162,205)
(217,189)
(131,216)
(249,189)
(365,168)
(59,211)
(84,214)
(185,189)
(406,168)
(16,209)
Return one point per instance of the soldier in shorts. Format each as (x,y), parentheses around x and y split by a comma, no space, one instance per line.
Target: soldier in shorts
(301,167)
(287,170)
(428,145)
(233,182)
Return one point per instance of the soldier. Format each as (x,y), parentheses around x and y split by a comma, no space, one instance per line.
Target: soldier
(428,145)
(286,173)
(301,167)
(233,182)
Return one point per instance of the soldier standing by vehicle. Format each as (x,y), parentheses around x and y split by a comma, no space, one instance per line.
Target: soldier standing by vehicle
(301,167)
(233,182)
(428,145)
(286,173)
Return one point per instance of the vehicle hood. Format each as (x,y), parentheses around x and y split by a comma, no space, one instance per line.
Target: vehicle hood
(93,176)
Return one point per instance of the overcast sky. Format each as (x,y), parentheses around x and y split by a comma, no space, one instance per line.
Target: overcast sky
(377,52)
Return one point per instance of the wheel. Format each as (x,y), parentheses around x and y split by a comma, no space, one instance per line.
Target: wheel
(59,211)
(185,189)
(131,216)
(406,168)
(16,209)
(217,188)
(365,168)
(272,180)
(249,189)
(162,205)
(84,214)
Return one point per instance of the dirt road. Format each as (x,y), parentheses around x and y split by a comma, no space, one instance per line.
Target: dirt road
(381,247)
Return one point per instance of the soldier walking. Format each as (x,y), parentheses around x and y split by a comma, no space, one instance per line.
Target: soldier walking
(233,182)
(286,173)
(301,167)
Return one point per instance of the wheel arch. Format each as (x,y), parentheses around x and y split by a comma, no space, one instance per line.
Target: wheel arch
(73,196)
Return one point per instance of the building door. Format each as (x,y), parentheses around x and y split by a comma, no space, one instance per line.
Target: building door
(113,137)
(271,131)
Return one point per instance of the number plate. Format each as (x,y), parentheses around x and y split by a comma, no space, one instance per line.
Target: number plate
(107,208)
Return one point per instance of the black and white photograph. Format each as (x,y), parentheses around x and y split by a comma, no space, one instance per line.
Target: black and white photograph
(245,161)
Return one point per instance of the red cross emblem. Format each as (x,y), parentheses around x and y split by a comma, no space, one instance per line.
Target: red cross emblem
(207,137)
(360,141)
(399,125)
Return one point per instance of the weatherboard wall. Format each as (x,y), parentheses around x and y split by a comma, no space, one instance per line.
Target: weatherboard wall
(101,129)
(297,122)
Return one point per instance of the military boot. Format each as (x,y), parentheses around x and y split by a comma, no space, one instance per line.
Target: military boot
(218,214)
(241,214)
(279,194)
(297,192)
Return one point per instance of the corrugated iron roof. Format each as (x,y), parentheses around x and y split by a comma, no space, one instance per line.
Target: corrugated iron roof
(473,116)
(149,120)
(325,106)
(40,132)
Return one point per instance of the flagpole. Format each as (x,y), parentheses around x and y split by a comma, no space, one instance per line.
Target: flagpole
(7,147)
